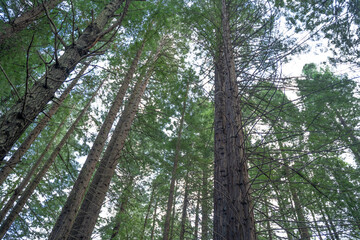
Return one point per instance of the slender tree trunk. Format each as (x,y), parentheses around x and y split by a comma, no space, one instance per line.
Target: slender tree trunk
(173,214)
(184,210)
(69,211)
(301,220)
(174,170)
(32,186)
(14,122)
(28,176)
(154,221)
(148,211)
(204,206)
(90,208)
(326,223)
(233,210)
(28,17)
(268,226)
(197,218)
(123,204)
(283,213)
(333,228)
(316,225)
(19,153)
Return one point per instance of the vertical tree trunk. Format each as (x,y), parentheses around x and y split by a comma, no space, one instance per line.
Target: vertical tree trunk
(14,122)
(28,176)
(204,206)
(197,219)
(173,214)
(69,211)
(90,208)
(148,211)
(174,170)
(19,153)
(268,226)
(233,211)
(26,19)
(154,221)
(32,186)
(184,210)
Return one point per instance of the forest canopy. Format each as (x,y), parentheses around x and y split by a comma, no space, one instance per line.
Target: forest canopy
(179,119)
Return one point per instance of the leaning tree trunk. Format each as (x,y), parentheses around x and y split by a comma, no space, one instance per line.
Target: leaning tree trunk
(69,211)
(25,145)
(174,170)
(86,219)
(25,181)
(18,118)
(32,186)
(28,17)
(233,210)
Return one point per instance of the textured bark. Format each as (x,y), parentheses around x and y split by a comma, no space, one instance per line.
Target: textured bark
(233,211)
(184,210)
(69,211)
(32,186)
(19,117)
(90,208)
(28,176)
(25,145)
(28,17)
(166,233)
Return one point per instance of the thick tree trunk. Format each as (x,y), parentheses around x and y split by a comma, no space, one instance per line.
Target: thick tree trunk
(25,145)
(204,206)
(184,210)
(174,170)
(69,211)
(32,186)
(19,117)
(233,210)
(29,175)
(86,219)
(21,22)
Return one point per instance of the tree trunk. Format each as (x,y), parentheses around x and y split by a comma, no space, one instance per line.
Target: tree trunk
(90,208)
(185,206)
(233,210)
(69,211)
(32,186)
(173,215)
(204,206)
(197,219)
(16,157)
(14,122)
(154,221)
(28,176)
(174,170)
(148,211)
(316,225)
(20,23)
(123,203)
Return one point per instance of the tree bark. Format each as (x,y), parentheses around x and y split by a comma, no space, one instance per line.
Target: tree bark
(18,118)
(21,22)
(32,186)
(148,211)
(154,221)
(19,153)
(233,210)
(90,208)
(28,176)
(185,206)
(174,170)
(69,211)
